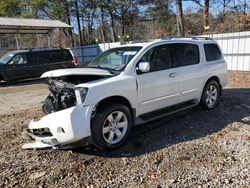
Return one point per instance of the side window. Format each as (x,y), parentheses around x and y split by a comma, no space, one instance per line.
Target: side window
(184,54)
(32,57)
(66,55)
(55,56)
(19,59)
(212,52)
(158,57)
(42,57)
(37,57)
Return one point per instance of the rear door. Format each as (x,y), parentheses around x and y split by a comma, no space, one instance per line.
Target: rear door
(160,87)
(190,68)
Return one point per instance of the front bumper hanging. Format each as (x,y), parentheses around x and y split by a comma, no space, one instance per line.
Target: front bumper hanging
(60,129)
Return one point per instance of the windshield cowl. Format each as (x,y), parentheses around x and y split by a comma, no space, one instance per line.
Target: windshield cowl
(110,70)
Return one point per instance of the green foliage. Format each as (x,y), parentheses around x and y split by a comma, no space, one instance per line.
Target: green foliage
(57,8)
(30,8)
(10,8)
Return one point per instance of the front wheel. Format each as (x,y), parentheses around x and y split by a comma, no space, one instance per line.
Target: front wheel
(211,95)
(111,126)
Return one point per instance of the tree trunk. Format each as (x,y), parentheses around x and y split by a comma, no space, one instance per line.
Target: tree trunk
(102,27)
(112,27)
(78,23)
(206,14)
(224,7)
(123,17)
(70,29)
(179,17)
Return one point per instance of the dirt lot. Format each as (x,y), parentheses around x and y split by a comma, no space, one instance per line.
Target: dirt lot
(194,148)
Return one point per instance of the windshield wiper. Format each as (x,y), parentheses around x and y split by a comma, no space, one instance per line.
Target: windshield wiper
(111,70)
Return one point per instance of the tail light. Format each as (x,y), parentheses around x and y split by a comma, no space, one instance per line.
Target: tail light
(74,61)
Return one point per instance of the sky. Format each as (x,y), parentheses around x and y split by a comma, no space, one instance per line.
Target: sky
(215,6)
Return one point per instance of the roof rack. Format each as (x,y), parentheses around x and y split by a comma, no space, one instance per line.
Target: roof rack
(139,41)
(190,38)
(43,49)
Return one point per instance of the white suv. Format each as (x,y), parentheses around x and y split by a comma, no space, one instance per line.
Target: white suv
(131,84)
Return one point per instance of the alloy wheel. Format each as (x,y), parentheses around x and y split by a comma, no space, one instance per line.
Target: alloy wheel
(115,127)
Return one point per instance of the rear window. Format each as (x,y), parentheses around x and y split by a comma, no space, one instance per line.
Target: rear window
(212,52)
(60,56)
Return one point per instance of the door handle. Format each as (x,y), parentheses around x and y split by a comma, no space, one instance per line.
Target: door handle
(172,75)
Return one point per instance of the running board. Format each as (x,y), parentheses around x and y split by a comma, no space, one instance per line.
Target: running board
(165,112)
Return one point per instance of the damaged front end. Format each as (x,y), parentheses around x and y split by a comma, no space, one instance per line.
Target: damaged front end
(63,93)
(60,129)
(67,119)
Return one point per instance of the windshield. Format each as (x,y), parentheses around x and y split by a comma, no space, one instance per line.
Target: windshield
(4,59)
(115,59)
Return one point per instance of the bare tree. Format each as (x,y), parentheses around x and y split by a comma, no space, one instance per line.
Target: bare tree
(69,22)
(78,23)
(179,17)
(206,11)
(206,14)
(102,25)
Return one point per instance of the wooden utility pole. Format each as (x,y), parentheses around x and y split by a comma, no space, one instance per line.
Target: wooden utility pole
(179,18)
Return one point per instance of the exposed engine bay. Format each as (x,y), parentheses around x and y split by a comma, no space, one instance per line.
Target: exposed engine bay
(62,93)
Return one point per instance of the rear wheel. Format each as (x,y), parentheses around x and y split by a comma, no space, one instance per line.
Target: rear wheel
(211,95)
(111,126)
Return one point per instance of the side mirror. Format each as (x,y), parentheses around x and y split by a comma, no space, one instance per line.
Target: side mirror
(144,67)
(11,62)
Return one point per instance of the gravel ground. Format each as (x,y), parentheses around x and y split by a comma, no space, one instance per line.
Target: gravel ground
(194,148)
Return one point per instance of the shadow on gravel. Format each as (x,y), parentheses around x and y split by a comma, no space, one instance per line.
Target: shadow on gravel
(182,127)
(22,82)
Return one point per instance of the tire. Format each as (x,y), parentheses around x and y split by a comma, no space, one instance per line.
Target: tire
(111,126)
(211,95)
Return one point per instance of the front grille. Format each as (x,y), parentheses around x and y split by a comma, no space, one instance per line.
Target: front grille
(43,132)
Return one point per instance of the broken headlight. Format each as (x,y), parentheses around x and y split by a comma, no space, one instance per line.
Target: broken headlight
(81,94)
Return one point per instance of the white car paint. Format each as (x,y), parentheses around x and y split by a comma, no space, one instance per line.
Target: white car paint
(75,71)
(145,92)
(67,126)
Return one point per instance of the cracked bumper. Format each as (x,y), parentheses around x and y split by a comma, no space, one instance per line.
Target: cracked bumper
(61,128)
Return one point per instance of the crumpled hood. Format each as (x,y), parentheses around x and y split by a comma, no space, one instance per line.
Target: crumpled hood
(75,71)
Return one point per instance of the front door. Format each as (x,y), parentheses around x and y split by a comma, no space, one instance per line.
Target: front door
(18,67)
(160,87)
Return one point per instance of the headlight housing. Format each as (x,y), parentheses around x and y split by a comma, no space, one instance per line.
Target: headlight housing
(81,94)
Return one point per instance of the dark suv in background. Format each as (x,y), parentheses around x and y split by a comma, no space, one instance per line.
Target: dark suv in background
(32,63)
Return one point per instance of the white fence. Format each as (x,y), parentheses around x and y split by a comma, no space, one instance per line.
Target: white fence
(236,49)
